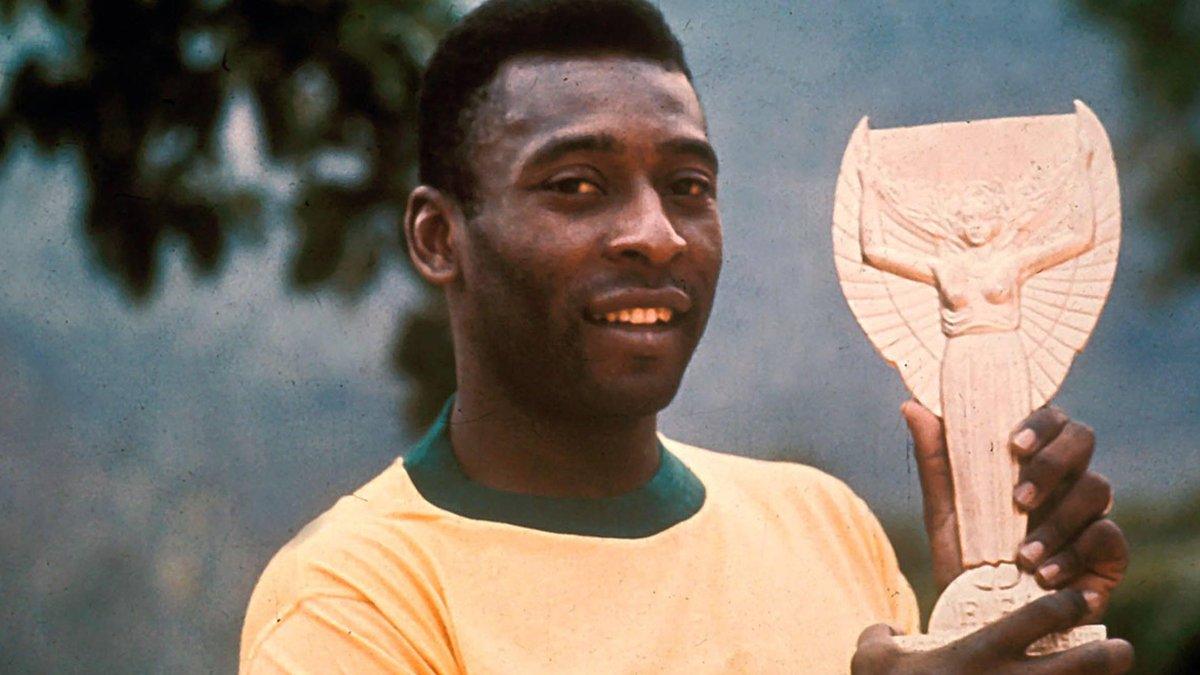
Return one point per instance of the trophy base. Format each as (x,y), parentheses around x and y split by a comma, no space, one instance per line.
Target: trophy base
(982,595)
(1057,642)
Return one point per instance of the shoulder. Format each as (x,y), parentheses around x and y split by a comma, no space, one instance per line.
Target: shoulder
(815,512)
(770,480)
(371,548)
(802,501)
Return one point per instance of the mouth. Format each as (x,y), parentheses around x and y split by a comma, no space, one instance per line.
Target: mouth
(638,316)
(639,308)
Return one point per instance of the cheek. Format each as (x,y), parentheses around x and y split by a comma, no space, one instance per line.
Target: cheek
(718,247)
(521,285)
(708,249)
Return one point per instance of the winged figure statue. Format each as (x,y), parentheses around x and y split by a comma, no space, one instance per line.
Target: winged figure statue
(977,257)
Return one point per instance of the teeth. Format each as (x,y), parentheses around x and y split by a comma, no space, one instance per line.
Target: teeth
(640,316)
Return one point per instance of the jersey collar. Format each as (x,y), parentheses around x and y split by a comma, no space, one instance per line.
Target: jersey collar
(671,496)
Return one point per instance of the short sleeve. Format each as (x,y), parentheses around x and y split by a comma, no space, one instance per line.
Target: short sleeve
(344,635)
(350,594)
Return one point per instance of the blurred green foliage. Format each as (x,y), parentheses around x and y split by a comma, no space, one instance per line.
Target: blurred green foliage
(1158,606)
(139,91)
(1162,41)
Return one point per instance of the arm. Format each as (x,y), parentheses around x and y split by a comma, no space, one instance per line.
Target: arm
(1080,234)
(878,254)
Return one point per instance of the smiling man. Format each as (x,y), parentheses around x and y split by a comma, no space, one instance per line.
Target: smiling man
(568,210)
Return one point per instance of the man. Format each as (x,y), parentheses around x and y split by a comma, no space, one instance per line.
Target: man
(568,211)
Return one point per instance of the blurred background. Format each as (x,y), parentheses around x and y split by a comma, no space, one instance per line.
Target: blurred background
(208,328)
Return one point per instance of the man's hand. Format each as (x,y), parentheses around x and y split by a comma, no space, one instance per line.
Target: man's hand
(1000,647)
(1070,544)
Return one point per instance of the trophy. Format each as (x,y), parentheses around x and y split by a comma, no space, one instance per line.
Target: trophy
(977,256)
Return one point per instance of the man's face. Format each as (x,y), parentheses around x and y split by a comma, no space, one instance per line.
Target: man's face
(592,255)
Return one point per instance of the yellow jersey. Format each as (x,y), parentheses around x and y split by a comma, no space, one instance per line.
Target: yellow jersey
(719,564)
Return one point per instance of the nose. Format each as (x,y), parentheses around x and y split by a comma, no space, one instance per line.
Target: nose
(645,232)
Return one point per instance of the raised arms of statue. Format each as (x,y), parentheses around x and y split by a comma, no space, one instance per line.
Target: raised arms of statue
(1079,235)
(1057,201)
(875,251)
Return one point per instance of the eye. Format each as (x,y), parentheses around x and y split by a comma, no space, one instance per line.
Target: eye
(692,187)
(573,186)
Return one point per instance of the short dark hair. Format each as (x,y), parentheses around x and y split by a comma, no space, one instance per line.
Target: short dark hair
(471,53)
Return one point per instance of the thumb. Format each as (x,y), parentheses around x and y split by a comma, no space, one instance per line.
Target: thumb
(880,632)
(937,488)
(929,450)
(926,429)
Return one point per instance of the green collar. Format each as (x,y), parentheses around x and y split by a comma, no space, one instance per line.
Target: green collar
(673,495)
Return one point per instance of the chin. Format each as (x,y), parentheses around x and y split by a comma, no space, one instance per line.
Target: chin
(633,387)
(641,399)
(631,395)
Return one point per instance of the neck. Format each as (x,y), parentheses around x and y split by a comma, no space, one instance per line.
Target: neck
(506,446)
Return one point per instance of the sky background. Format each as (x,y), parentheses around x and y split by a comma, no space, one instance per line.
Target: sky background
(221,417)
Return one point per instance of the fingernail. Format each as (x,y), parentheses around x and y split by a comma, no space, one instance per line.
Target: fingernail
(1092,598)
(1032,552)
(1048,571)
(1025,494)
(1024,439)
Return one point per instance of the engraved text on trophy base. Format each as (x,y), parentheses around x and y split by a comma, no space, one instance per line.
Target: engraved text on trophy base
(983,595)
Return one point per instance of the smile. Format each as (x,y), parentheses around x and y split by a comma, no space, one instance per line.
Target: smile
(638,316)
(639,308)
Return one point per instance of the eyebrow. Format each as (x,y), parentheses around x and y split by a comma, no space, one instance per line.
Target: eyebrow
(691,146)
(607,143)
(579,143)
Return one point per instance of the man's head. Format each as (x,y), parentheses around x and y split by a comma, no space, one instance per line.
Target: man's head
(568,206)
(468,58)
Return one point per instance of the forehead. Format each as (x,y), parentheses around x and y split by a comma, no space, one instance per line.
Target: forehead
(534,96)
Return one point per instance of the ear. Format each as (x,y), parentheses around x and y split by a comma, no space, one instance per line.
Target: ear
(431,222)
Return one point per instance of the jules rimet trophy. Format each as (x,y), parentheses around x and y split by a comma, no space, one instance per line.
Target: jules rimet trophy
(977,257)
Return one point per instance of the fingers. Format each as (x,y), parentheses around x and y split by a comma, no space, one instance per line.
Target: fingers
(1100,549)
(1049,614)
(1095,565)
(1039,428)
(1083,503)
(1000,647)
(1104,551)
(1103,657)
(1053,460)
(1097,591)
